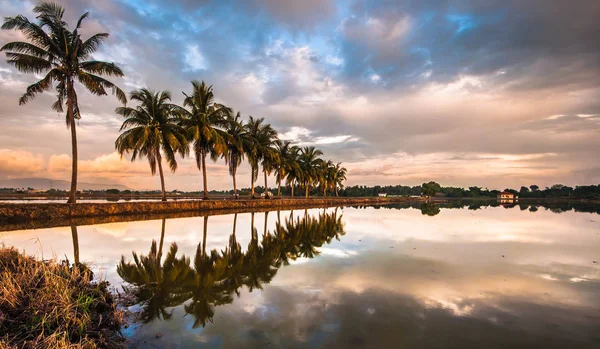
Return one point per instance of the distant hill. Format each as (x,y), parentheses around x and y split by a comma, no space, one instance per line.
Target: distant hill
(45,184)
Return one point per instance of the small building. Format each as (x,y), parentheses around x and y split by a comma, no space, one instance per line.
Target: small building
(382,195)
(505,195)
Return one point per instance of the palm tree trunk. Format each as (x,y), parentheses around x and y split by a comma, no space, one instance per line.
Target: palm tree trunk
(75,244)
(162,239)
(204,174)
(325,191)
(234,187)
(71,117)
(252,181)
(336,191)
(306,190)
(162,177)
(234,223)
(279,185)
(204,229)
(266,220)
(266,188)
(252,225)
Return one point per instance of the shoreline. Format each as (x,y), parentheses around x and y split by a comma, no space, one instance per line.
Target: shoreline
(55,304)
(17,216)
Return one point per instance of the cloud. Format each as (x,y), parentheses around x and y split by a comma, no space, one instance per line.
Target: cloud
(362,80)
(15,162)
(194,59)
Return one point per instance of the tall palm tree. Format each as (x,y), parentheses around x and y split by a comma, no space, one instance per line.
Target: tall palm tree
(270,159)
(309,162)
(294,172)
(339,176)
(150,127)
(52,48)
(325,175)
(286,161)
(260,148)
(236,140)
(203,124)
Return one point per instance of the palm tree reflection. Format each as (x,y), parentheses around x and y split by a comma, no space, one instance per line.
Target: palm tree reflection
(75,237)
(154,285)
(214,277)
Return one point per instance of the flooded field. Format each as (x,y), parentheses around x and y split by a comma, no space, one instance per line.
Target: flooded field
(365,277)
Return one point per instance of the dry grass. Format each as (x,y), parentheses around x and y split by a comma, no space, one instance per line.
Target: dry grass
(47,304)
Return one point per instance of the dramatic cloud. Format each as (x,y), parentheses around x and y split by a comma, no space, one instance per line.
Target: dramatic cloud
(494,93)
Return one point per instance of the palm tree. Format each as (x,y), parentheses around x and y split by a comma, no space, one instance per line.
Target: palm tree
(325,175)
(294,172)
(202,124)
(270,159)
(236,139)
(286,161)
(151,127)
(339,176)
(260,148)
(54,49)
(309,161)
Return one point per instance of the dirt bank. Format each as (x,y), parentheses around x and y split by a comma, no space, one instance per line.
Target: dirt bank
(45,215)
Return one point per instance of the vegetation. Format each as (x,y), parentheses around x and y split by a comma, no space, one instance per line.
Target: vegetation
(152,130)
(156,129)
(203,124)
(46,304)
(216,276)
(430,189)
(236,141)
(59,52)
(591,192)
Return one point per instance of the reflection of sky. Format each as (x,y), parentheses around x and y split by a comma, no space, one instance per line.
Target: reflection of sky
(511,277)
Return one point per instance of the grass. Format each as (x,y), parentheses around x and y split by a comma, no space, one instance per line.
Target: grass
(51,304)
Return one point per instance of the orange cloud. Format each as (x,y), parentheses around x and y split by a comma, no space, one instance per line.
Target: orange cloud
(20,162)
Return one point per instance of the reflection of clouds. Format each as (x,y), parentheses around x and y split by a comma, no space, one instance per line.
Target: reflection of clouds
(116,230)
(380,319)
(396,277)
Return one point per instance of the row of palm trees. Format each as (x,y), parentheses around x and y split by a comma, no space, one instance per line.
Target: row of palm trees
(158,284)
(157,128)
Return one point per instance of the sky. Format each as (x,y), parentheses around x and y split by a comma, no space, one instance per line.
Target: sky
(494,93)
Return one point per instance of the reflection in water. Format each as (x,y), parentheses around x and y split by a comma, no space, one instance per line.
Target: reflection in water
(75,238)
(430,209)
(556,207)
(214,277)
(476,275)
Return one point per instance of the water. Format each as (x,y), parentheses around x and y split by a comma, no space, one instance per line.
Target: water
(46,200)
(395,277)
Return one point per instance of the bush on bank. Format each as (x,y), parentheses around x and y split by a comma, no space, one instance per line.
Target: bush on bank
(51,304)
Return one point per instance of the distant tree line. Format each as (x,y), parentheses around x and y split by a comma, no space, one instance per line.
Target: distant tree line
(533,191)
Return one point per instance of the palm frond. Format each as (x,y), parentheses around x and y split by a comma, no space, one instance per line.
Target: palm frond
(102,68)
(28,63)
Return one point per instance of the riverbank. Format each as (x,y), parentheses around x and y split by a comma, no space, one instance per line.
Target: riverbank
(51,304)
(37,215)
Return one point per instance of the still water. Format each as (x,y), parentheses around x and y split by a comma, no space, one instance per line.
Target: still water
(388,277)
